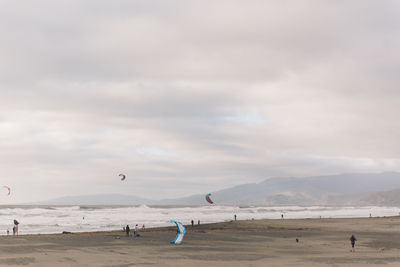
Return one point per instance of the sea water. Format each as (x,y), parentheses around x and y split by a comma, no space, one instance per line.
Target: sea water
(56,219)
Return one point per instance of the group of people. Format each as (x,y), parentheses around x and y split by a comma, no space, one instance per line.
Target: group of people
(127,230)
(198,222)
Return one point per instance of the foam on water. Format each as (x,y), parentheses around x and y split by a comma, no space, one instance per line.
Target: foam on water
(55,219)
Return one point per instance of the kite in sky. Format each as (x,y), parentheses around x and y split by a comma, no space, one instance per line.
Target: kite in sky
(209,199)
(8,188)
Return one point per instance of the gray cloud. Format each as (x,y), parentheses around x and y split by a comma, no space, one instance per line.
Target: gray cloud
(187,97)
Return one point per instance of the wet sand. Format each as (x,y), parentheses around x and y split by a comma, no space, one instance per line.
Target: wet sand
(322,242)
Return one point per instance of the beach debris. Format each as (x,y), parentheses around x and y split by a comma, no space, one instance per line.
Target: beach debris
(8,188)
(123,176)
(66,232)
(209,199)
(179,234)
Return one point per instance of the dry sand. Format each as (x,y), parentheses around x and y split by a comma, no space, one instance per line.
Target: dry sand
(322,242)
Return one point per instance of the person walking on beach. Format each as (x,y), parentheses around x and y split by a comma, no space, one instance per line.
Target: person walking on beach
(15,228)
(127,230)
(192,223)
(353,242)
(235,217)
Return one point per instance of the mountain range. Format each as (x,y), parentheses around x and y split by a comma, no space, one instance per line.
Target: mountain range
(355,189)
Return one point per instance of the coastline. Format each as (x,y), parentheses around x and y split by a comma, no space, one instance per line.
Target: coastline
(322,242)
(50,220)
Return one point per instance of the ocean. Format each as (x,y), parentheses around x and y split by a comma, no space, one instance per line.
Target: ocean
(56,219)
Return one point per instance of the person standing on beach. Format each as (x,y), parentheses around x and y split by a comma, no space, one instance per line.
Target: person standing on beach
(353,242)
(127,230)
(235,217)
(192,223)
(15,228)
(136,231)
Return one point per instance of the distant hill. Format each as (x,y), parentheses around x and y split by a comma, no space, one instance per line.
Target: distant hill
(344,189)
(380,198)
(356,188)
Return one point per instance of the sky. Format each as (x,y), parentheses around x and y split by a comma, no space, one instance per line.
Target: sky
(189,97)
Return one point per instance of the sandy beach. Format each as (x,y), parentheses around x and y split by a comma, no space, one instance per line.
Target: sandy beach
(322,242)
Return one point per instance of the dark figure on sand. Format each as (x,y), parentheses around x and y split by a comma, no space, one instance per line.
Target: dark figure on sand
(353,242)
(192,223)
(235,217)
(127,230)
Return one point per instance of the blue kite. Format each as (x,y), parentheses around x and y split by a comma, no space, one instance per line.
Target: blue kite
(180,233)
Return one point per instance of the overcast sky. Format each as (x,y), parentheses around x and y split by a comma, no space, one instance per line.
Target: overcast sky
(190,97)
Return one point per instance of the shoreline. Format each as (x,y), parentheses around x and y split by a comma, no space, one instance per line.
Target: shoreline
(56,220)
(208,226)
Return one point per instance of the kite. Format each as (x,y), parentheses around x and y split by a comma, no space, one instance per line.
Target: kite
(123,176)
(180,233)
(8,188)
(209,199)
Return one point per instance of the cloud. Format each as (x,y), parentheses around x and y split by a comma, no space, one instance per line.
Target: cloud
(203,95)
